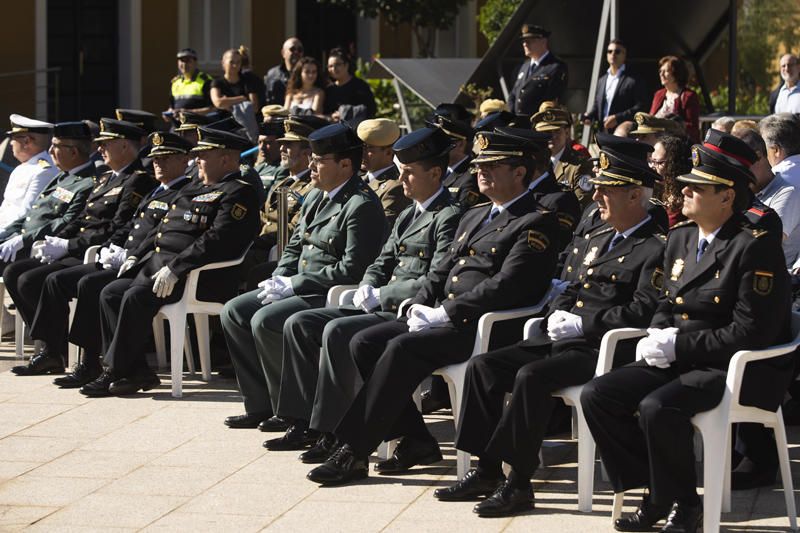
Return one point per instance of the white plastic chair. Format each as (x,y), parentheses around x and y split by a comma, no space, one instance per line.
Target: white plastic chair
(572,397)
(336,292)
(715,428)
(454,374)
(176,314)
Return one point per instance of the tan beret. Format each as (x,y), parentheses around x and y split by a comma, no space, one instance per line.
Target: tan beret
(378,131)
(492,105)
(274,110)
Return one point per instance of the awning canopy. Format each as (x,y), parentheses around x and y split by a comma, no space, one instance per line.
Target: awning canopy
(434,80)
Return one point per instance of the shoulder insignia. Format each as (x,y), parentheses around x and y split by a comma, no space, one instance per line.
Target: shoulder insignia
(757,233)
(762,282)
(243,182)
(657,279)
(238,212)
(471,198)
(600,232)
(44,164)
(661,237)
(566,220)
(140,172)
(483,204)
(537,240)
(682,224)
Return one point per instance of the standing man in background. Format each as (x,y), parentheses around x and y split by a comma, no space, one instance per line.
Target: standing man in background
(541,77)
(277,76)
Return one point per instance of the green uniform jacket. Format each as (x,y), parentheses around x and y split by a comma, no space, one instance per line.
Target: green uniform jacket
(270,174)
(336,245)
(389,190)
(57,205)
(411,250)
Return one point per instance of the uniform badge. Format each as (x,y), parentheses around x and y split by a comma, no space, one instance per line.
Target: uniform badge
(695,156)
(43,163)
(157,139)
(157,204)
(677,270)
(63,194)
(238,212)
(548,116)
(187,216)
(136,197)
(604,161)
(537,240)
(657,279)
(762,282)
(114,192)
(482,142)
(566,220)
(589,257)
(453,190)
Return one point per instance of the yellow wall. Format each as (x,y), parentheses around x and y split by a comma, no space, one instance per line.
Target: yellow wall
(267,35)
(18,52)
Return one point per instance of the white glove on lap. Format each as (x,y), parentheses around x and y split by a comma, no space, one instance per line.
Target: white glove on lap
(367,298)
(127,265)
(54,249)
(9,249)
(658,348)
(275,288)
(112,257)
(36,250)
(564,325)
(422,317)
(164,282)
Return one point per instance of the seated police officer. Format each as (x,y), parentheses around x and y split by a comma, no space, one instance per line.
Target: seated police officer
(268,163)
(502,257)
(170,153)
(108,209)
(420,238)
(725,289)
(61,200)
(617,285)
(456,122)
(339,234)
(211,220)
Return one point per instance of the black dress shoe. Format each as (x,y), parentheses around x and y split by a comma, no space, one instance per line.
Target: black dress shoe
(40,364)
(297,437)
(247,420)
(470,487)
(684,518)
(644,518)
(430,402)
(505,501)
(133,384)
(98,387)
(81,375)
(274,423)
(341,467)
(410,452)
(319,453)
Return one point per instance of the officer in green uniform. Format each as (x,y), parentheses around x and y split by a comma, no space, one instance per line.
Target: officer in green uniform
(379,134)
(268,164)
(649,128)
(62,199)
(191,89)
(327,381)
(339,234)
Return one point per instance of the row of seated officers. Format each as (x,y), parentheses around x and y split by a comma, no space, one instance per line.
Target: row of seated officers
(339,381)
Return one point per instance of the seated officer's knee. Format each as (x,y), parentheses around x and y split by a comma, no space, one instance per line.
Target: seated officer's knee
(294,324)
(333,332)
(528,377)
(590,394)
(651,410)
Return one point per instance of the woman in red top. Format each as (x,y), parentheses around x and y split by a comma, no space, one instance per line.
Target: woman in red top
(675,98)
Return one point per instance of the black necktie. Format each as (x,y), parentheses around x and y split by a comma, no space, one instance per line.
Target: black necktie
(492,215)
(321,205)
(701,248)
(618,238)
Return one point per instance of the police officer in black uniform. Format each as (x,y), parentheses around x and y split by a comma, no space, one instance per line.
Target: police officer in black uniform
(456,121)
(725,289)
(503,257)
(50,324)
(542,76)
(618,284)
(212,220)
(109,207)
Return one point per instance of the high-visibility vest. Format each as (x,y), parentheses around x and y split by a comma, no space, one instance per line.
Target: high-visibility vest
(188,94)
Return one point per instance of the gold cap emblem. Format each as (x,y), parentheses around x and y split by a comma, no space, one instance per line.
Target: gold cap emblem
(524,28)
(695,156)
(548,116)
(158,140)
(604,163)
(482,142)
(118,114)
(102,125)
(640,118)
(287,126)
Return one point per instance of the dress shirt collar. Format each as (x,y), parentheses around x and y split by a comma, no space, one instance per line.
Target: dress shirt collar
(426,204)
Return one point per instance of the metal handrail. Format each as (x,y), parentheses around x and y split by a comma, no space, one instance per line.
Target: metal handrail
(24,72)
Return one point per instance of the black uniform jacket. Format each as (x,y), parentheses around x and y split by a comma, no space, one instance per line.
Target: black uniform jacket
(617,288)
(563,202)
(109,207)
(335,245)
(503,264)
(547,82)
(463,185)
(411,249)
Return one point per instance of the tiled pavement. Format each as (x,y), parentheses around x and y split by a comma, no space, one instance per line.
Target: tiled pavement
(69,463)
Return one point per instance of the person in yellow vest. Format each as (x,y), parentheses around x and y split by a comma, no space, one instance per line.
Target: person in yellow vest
(191,88)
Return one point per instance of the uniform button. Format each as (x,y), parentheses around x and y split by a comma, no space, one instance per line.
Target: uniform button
(158,249)
(174,206)
(402,248)
(569,269)
(462,262)
(159,235)
(464,321)
(130,237)
(166,220)
(400,263)
(455,279)
(472,252)
(307,234)
(330,240)
(666,292)
(574,250)
(36,206)
(83,229)
(451,296)
(90,204)
(422,254)
(142,215)
(305,262)
(22,230)
(310,246)
(394,278)
(716,299)
(613,277)
(136,226)
(590,272)
(685,316)
(579,303)
(87,217)
(28,219)
(679,300)
(394,308)
(586,285)
(494,250)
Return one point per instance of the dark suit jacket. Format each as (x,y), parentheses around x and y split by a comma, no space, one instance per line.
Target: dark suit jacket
(547,82)
(773,98)
(629,98)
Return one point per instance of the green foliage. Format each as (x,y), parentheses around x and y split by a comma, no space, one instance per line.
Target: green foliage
(386,98)
(494,16)
(747,102)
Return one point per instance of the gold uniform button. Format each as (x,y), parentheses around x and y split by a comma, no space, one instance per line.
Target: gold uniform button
(472,252)
(87,217)
(36,206)
(586,285)
(158,249)
(462,262)
(310,246)
(136,226)
(142,215)
(307,234)
(174,206)
(574,250)
(330,240)
(90,204)
(394,278)
(590,272)
(305,262)
(28,219)
(666,292)
(464,321)
(494,250)
(451,296)
(685,316)
(422,254)
(400,263)
(402,248)
(22,230)
(579,303)
(613,277)
(679,300)
(166,220)
(394,307)
(716,299)
(455,279)
(159,235)
(569,269)
(83,229)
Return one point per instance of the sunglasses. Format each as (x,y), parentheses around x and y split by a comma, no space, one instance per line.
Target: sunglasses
(614,51)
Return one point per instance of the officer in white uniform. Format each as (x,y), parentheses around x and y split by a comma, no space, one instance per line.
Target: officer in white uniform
(30,141)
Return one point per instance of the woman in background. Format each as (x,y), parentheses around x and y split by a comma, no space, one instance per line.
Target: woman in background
(671,157)
(231,89)
(674,98)
(304,90)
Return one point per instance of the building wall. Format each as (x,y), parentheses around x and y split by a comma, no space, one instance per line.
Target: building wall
(159,45)
(267,34)
(18,53)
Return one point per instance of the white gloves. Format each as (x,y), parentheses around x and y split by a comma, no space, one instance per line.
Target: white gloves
(9,249)
(275,288)
(112,257)
(658,348)
(564,325)
(52,249)
(127,265)
(367,298)
(422,317)
(164,282)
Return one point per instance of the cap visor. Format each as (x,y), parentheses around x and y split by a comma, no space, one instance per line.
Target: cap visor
(692,178)
(608,182)
(292,137)
(489,158)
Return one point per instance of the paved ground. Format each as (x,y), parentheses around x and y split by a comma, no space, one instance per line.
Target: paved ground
(68,463)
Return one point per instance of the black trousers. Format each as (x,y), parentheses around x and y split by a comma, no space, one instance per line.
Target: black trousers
(24,280)
(51,321)
(126,319)
(530,374)
(392,362)
(656,449)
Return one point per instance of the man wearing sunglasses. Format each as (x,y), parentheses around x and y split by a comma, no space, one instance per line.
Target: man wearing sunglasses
(277,76)
(619,95)
(542,76)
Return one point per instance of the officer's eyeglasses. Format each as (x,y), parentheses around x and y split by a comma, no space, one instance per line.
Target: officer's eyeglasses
(314,160)
(656,163)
